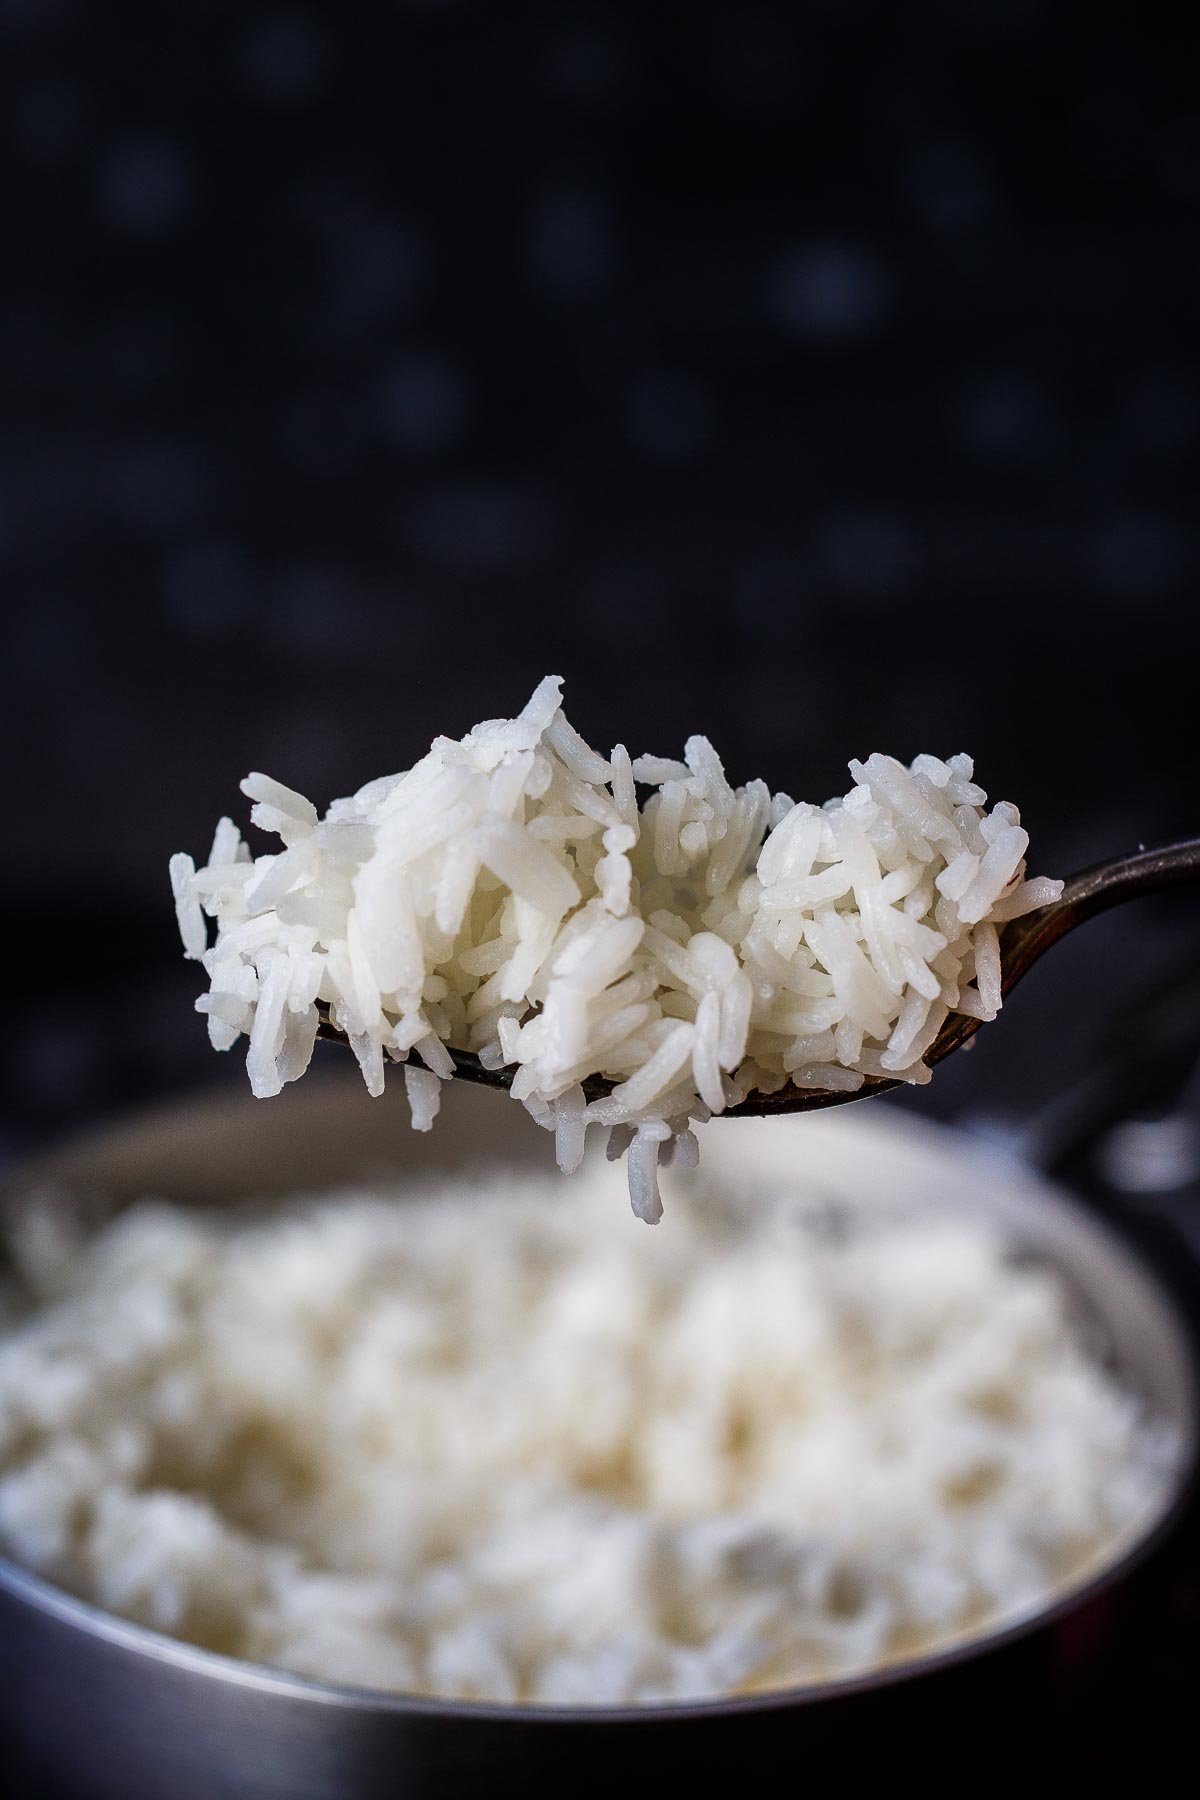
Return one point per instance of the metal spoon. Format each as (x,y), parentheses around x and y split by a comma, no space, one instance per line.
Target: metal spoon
(1022,941)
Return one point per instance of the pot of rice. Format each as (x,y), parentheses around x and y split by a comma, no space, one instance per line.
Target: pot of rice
(338,1460)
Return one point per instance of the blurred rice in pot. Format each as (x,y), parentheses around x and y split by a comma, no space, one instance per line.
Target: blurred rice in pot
(482,1439)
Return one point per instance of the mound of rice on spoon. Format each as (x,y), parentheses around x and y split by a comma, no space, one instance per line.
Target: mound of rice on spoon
(510,896)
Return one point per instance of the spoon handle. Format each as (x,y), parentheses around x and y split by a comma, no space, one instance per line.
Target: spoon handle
(1090,892)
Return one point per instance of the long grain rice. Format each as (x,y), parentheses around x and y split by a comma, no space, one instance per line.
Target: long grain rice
(499,896)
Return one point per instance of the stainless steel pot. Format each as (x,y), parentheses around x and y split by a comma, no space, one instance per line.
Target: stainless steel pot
(93,1707)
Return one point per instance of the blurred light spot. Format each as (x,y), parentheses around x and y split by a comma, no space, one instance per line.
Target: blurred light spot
(753,64)
(1008,415)
(36,626)
(62,1052)
(1162,409)
(477,527)
(144,187)
(623,593)
(26,18)
(1137,556)
(572,243)
(319,611)
(141,349)
(831,293)
(586,62)
(322,432)
(319,201)
(773,588)
(1108,126)
(375,272)
(668,415)
(48,119)
(210,590)
(154,485)
(47,479)
(424,402)
(1149,1156)
(986,20)
(1178,154)
(283,59)
(946,187)
(871,555)
(31,337)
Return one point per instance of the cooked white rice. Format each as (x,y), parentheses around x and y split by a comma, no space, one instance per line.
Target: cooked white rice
(509,896)
(492,1444)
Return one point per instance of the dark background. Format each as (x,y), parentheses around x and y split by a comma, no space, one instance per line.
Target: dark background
(819,377)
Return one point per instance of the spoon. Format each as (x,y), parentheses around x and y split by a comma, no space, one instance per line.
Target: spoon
(1022,941)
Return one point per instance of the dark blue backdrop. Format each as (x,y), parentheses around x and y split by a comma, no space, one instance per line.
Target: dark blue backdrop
(821,377)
